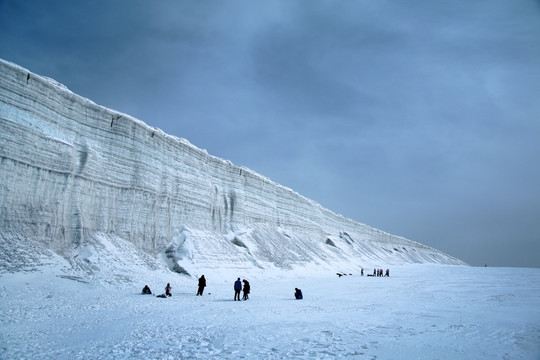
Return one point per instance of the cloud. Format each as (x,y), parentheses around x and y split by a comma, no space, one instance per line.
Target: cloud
(419,118)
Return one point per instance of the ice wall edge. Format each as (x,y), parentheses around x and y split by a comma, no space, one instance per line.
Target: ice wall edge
(70,169)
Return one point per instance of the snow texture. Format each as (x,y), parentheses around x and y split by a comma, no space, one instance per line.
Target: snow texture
(71,170)
(422,311)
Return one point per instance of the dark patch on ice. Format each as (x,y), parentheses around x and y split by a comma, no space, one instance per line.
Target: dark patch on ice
(330,242)
(115,118)
(180,270)
(76,278)
(239,242)
(345,236)
(233,200)
(83,159)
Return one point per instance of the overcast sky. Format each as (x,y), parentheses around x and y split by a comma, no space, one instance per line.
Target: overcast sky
(418,117)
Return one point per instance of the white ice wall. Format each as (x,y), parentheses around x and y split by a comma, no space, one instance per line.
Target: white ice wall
(70,168)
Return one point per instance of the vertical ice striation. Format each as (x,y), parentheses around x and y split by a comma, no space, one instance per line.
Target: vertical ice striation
(70,169)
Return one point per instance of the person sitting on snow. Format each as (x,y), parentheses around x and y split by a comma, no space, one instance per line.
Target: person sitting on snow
(168,290)
(298,294)
(146,290)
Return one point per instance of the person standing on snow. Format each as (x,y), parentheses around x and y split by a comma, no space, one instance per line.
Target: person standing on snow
(246,289)
(237,289)
(202,285)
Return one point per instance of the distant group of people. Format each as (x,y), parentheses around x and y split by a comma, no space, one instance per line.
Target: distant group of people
(202,284)
(378,272)
(239,286)
(243,285)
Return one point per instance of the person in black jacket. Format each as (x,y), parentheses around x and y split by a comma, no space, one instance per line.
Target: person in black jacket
(246,289)
(146,290)
(202,285)
(237,289)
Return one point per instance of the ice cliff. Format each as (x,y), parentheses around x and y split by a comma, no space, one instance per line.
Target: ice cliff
(72,171)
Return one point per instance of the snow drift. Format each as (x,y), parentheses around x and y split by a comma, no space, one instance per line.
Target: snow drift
(419,312)
(72,171)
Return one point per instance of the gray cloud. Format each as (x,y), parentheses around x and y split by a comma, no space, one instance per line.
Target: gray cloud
(419,118)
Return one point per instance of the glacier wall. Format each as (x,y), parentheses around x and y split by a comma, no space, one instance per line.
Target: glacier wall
(71,169)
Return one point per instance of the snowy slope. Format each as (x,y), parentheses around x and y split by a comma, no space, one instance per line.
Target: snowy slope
(76,177)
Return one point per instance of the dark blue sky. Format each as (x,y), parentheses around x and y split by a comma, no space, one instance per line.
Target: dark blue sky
(420,118)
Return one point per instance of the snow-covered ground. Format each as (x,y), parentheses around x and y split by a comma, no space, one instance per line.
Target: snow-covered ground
(419,312)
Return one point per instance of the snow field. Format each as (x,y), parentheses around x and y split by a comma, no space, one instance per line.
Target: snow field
(420,312)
